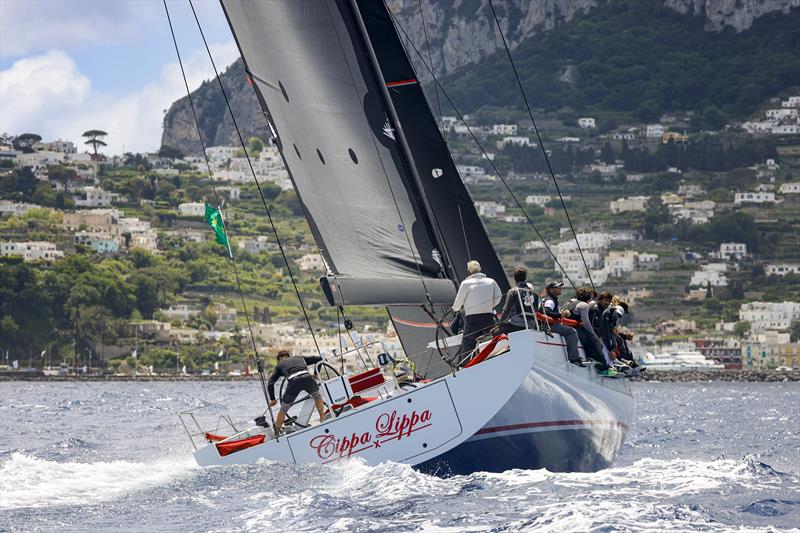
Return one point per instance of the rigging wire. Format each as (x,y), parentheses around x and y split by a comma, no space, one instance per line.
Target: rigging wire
(541,144)
(259,362)
(255,178)
(483,150)
(430,60)
(441,121)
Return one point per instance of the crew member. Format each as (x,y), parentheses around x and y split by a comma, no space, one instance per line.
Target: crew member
(550,308)
(478,294)
(519,299)
(298,379)
(592,345)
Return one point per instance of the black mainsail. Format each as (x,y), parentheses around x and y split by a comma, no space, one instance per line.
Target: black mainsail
(378,186)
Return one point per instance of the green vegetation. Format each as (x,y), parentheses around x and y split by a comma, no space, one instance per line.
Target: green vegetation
(643,59)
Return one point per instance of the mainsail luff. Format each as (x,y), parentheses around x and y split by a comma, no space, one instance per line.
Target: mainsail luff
(320,95)
(448,202)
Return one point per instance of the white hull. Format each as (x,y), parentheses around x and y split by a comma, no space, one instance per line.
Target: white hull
(527,408)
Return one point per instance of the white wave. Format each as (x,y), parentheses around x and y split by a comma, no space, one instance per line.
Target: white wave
(648,495)
(27,481)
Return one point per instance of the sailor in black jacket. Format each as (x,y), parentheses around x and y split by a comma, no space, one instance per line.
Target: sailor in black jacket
(298,379)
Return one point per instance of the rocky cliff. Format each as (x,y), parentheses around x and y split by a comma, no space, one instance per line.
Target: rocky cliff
(460,32)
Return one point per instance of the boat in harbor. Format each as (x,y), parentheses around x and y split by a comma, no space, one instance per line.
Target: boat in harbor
(395,226)
(679,360)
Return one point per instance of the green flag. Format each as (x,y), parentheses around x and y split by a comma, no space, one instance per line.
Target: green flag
(214,219)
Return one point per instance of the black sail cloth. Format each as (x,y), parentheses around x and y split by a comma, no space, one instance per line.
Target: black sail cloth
(378,186)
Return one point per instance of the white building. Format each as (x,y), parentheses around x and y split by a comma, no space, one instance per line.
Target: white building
(695,212)
(623,136)
(94,197)
(619,262)
(221,153)
(538,199)
(31,250)
(569,139)
(504,129)
(654,131)
(631,203)
(790,188)
(754,198)
(732,250)
(690,189)
(758,126)
(257,244)
(764,316)
(586,122)
(782,114)
(15,208)
(782,269)
(311,262)
(516,141)
(192,209)
(471,170)
(785,129)
(711,274)
(182,312)
(490,209)
(138,234)
(792,101)
(65,147)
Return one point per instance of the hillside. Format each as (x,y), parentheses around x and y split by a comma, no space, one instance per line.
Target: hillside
(576,54)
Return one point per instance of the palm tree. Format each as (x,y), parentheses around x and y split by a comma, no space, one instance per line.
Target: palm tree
(95,138)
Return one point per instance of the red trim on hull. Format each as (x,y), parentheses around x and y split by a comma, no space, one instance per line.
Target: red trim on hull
(553,423)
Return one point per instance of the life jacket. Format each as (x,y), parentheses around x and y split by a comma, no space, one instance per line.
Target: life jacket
(554,312)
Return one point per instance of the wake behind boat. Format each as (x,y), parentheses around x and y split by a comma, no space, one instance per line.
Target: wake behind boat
(396,226)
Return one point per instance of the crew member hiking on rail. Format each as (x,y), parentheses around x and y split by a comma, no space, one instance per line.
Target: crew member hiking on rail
(519,309)
(298,379)
(592,345)
(478,294)
(550,308)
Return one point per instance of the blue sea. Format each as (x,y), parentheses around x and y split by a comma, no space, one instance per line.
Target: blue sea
(113,457)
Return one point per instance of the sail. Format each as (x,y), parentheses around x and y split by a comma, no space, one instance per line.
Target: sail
(316,83)
(450,206)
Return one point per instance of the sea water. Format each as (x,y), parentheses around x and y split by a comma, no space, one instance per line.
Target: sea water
(114,457)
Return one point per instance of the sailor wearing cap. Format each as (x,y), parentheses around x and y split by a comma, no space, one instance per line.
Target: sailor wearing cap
(550,308)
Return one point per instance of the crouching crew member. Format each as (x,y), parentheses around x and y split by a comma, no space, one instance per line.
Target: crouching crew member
(550,308)
(478,294)
(298,379)
(592,345)
(519,309)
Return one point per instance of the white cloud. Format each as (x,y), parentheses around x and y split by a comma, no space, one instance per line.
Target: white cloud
(48,95)
(26,25)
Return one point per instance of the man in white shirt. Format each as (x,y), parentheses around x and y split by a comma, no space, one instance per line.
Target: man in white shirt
(478,295)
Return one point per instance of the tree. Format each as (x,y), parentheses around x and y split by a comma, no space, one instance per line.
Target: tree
(25,142)
(254,145)
(95,138)
(741,329)
(607,154)
(170,152)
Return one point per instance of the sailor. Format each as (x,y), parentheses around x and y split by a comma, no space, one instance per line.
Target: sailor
(298,379)
(478,294)
(519,299)
(602,327)
(551,309)
(592,345)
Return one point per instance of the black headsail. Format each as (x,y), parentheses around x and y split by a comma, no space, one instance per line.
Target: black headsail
(378,186)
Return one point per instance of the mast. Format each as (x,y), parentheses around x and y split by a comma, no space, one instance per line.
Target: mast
(401,137)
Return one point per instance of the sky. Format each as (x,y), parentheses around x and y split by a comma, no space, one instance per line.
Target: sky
(68,66)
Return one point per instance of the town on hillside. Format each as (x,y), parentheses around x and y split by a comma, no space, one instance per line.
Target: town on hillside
(109,267)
